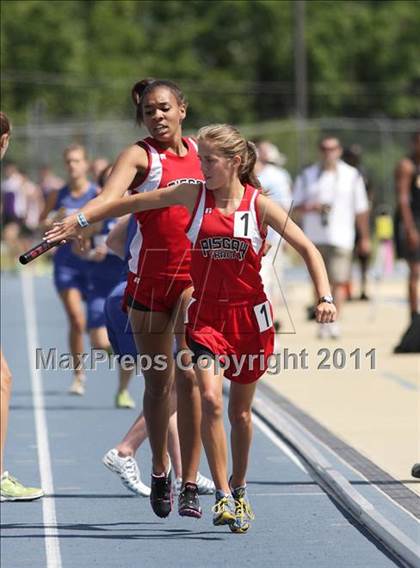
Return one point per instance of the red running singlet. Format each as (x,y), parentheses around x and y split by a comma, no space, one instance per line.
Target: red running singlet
(160,248)
(229,313)
(160,257)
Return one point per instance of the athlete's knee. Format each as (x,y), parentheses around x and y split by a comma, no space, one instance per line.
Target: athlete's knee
(158,390)
(99,338)
(186,381)
(211,404)
(240,417)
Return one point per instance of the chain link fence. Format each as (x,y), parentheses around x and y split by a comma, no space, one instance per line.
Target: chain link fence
(383,143)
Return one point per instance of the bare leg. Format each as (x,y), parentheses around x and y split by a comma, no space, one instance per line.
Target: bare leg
(124,376)
(212,428)
(240,401)
(413,286)
(72,301)
(99,338)
(153,335)
(339,293)
(364,264)
(138,433)
(14,246)
(6,388)
(188,394)
(134,438)
(174,446)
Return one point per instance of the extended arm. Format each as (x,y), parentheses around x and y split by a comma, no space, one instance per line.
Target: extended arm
(131,161)
(183,194)
(275,217)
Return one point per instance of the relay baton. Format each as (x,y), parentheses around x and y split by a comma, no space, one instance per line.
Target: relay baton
(37,250)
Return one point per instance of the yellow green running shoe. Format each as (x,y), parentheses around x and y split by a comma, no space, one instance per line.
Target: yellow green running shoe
(124,400)
(223,512)
(13,490)
(243,511)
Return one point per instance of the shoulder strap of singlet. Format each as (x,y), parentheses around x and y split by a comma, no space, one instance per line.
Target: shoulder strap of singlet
(139,178)
(193,143)
(151,178)
(193,227)
(254,211)
(260,234)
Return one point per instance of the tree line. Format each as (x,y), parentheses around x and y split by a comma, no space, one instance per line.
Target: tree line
(233,58)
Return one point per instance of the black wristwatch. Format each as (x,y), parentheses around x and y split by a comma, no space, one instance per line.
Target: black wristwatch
(327,299)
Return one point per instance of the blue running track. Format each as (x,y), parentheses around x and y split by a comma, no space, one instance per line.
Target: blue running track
(89,520)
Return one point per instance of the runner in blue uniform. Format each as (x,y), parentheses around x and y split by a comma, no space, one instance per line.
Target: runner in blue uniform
(71,271)
(105,268)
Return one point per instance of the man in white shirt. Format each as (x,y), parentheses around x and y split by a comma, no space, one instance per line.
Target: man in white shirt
(331,197)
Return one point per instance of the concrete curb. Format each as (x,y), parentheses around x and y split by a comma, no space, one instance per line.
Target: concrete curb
(335,484)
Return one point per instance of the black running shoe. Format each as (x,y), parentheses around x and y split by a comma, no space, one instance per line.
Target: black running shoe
(188,502)
(415,472)
(161,497)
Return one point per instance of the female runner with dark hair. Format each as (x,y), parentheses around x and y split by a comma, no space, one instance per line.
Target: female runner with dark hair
(159,283)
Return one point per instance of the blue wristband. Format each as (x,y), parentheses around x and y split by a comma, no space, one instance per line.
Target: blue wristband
(81,219)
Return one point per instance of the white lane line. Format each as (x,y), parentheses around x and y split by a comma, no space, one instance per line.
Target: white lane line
(278,442)
(52,545)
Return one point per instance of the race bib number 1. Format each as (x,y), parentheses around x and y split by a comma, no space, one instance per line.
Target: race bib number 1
(242,224)
(263,315)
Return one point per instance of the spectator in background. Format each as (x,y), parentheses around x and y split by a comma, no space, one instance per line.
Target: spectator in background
(48,181)
(407,229)
(353,157)
(22,203)
(277,185)
(13,209)
(34,205)
(330,196)
(97,168)
(13,199)
(407,235)
(274,179)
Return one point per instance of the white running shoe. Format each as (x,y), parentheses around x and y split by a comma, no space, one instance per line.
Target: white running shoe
(329,330)
(128,471)
(323,331)
(78,386)
(335,331)
(205,485)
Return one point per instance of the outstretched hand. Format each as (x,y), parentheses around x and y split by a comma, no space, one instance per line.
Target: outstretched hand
(64,230)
